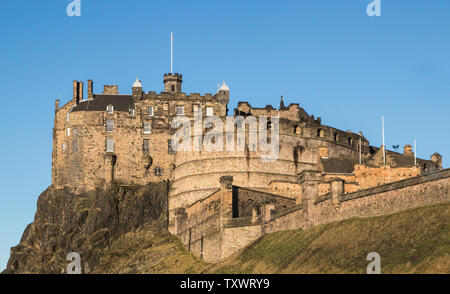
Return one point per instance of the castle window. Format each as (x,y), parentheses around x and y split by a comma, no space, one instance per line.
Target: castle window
(165,106)
(132,111)
(63,146)
(209,111)
(158,171)
(110,109)
(146,146)
(75,131)
(195,108)
(350,142)
(68,132)
(68,116)
(109,125)
(173,88)
(320,133)
(150,111)
(109,145)
(180,110)
(336,137)
(147,128)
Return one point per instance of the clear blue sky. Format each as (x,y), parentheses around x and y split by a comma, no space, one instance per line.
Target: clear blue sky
(329,56)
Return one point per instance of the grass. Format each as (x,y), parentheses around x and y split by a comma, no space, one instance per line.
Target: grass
(413,241)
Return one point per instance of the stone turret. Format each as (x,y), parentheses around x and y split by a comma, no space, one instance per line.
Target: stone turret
(223,93)
(436,157)
(172,83)
(137,89)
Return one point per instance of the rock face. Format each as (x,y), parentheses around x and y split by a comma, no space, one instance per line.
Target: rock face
(87,224)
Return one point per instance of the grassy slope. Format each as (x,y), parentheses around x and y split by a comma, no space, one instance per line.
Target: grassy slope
(149,250)
(414,241)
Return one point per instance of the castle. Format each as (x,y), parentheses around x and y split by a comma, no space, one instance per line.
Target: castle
(220,201)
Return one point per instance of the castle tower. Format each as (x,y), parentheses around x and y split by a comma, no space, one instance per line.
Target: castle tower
(437,158)
(137,89)
(172,83)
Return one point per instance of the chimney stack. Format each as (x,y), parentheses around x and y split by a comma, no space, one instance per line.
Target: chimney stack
(90,90)
(56,105)
(407,150)
(80,91)
(75,92)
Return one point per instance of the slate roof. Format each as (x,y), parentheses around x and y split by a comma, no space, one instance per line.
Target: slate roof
(120,103)
(338,165)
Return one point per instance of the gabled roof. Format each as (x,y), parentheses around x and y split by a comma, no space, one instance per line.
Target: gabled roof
(100,102)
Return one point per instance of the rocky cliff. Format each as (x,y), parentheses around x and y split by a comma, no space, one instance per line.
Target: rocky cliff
(107,228)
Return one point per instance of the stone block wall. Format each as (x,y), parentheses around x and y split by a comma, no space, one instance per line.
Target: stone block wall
(386,199)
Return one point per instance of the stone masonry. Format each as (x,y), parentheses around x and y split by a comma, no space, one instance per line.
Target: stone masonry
(220,201)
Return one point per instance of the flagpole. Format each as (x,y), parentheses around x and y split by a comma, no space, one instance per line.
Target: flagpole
(384,146)
(171,52)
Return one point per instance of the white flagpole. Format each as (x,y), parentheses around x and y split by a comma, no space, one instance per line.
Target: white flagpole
(384,146)
(171,53)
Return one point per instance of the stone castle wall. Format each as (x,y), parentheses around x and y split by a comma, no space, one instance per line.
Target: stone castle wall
(386,199)
(196,174)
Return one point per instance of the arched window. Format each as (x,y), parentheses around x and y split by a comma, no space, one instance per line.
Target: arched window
(350,141)
(320,133)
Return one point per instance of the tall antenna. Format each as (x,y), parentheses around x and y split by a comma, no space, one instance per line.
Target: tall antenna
(384,145)
(415,152)
(171,53)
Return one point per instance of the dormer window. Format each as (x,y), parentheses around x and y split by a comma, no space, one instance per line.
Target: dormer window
(110,109)
(150,111)
(180,110)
